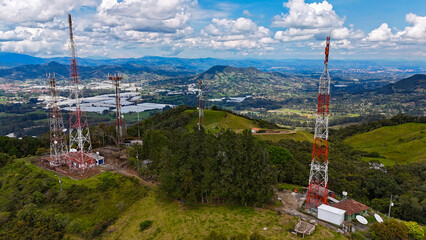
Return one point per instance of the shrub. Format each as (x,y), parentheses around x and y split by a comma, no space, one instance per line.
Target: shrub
(144,225)
(215,236)
(257,236)
(415,231)
(392,229)
(239,236)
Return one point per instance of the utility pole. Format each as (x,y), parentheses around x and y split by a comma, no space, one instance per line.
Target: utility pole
(390,206)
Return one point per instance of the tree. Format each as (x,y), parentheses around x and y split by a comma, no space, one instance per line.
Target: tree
(415,231)
(390,230)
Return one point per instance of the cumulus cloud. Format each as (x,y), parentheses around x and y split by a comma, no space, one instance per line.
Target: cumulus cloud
(145,15)
(417,32)
(411,34)
(381,33)
(306,21)
(39,10)
(241,33)
(305,15)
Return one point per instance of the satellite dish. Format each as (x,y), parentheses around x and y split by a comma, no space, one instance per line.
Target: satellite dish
(64,130)
(362,219)
(73,150)
(55,142)
(378,218)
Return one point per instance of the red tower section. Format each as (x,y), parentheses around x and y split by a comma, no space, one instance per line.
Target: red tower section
(318,178)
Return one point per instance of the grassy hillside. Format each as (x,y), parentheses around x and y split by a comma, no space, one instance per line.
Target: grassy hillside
(298,135)
(171,221)
(30,200)
(400,144)
(220,119)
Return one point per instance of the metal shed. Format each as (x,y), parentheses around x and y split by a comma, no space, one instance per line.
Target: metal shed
(331,214)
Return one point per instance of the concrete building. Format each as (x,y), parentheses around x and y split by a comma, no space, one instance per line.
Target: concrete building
(331,214)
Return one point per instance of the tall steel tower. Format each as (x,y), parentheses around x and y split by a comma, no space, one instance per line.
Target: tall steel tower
(116,81)
(58,145)
(200,105)
(79,128)
(318,178)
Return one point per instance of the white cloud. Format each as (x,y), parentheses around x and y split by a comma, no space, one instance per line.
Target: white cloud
(145,15)
(382,33)
(241,33)
(247,13)
(305,15)
(308,21)
(37,10)
(417,32)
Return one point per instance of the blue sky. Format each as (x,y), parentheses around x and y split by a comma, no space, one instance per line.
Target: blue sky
(360,29)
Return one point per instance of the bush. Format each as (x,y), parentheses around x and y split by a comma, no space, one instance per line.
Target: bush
(213,235)
(357,236)
(144,225)
(239,236)
(257,236)
(391,230)
(415,231)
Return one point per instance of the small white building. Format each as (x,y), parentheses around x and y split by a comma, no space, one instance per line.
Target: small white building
(331,214)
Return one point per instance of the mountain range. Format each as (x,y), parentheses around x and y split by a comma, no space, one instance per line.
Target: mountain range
(8,60)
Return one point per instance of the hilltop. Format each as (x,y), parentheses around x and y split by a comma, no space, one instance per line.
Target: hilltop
(185,118)
(234,81)
(413,84)
(402,144)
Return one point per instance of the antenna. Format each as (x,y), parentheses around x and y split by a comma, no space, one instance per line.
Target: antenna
(119,130)
(318,177)
(200,105)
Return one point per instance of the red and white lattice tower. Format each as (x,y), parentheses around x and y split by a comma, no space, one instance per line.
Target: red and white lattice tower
(79,128)
(318,178)
(118,125)
(58,146)
(200,105)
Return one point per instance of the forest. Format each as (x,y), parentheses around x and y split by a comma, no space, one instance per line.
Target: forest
(215,167)
(187,171)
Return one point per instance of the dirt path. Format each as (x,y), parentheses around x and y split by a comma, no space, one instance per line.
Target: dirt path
(275,132)
(134,173)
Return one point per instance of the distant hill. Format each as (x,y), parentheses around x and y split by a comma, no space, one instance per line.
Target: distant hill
(36,71)
(15,59)
(415,83)
(202,64)
(233,81)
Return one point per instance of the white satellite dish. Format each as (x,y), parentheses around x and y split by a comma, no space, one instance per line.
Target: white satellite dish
(378,218)
(55,142)
(64,130)
(73,150)
(362,219)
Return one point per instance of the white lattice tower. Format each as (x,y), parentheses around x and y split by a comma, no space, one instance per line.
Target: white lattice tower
(58,146)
